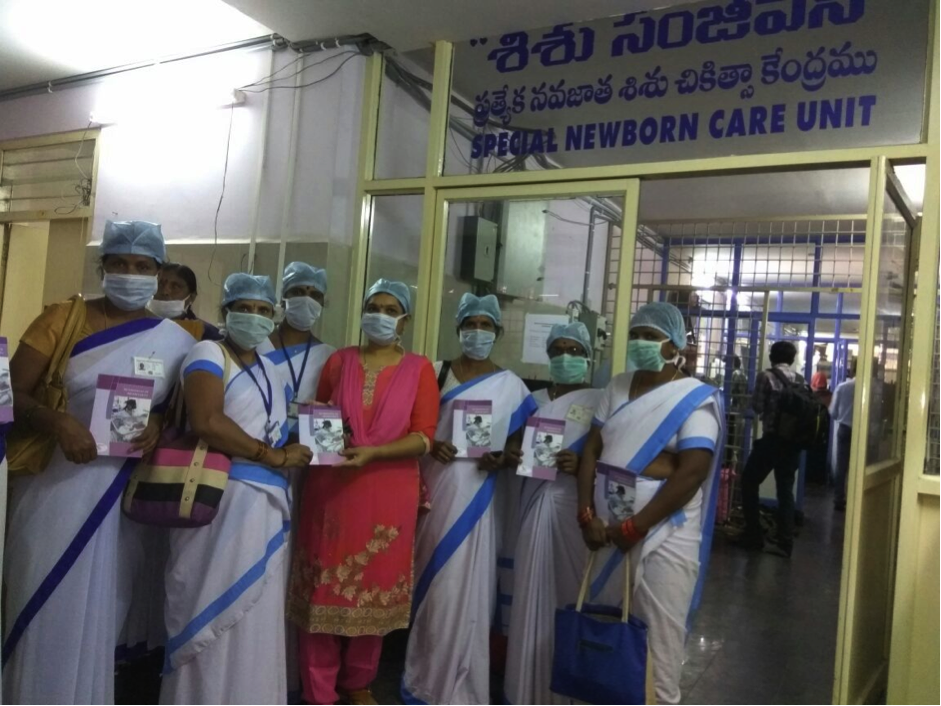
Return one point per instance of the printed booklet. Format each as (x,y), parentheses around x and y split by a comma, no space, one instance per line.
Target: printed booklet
(120,414)
(620,489)
(542,442)
(321,430)
(473,421)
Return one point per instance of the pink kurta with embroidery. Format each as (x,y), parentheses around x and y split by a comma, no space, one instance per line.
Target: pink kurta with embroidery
(352,567)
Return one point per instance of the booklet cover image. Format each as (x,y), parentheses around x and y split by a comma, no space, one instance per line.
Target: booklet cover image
(473,424)
(542,442)
(321,430)
(121,411)
(620,490)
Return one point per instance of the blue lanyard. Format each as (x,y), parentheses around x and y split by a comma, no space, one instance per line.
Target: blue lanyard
(269,401)
(296,379)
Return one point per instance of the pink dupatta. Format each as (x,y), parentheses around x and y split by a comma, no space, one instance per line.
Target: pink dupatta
(388,418)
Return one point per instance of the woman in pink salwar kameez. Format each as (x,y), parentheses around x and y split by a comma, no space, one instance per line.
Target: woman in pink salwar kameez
(351,576)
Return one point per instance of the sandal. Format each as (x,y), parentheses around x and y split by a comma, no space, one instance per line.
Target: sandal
(359,697)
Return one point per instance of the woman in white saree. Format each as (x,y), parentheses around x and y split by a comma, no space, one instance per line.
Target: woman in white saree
(458,541)
(226,581)
(550,554)
(648,410)
(71,558)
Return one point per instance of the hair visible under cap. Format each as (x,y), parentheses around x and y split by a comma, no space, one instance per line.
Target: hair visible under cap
(300,274)
(575,331)
(184,273)
(399,290)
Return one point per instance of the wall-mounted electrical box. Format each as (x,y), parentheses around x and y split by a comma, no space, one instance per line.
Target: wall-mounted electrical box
(478,249)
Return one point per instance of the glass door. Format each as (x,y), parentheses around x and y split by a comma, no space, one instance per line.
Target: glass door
(876,457)
(551,254)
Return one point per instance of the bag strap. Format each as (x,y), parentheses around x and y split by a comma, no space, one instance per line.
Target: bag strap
(586,581)
(443,374)
(782,378)
(71,333)
(227,364)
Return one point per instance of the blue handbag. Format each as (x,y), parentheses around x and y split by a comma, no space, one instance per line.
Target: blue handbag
(600,651)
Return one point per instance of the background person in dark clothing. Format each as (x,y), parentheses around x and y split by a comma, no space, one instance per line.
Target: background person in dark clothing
(771,452)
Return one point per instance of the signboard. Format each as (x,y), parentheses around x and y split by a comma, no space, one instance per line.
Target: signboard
(699,80)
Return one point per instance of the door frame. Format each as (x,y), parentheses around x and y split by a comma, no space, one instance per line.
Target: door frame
(853,637)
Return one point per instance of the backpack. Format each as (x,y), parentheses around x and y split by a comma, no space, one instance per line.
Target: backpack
(802,418)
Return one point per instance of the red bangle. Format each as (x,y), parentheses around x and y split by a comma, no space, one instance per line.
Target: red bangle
(585,516)
(630,531)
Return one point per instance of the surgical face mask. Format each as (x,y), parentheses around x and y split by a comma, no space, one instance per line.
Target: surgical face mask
(129,292)
(645,355)
(568,369)
(247,331)
(172,309)
(302,313)
(381,329)
(477,343)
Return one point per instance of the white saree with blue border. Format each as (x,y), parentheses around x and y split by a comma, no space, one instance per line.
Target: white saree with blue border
(71,557)
(669,565)
(457,543)
(548,562)
(226,582)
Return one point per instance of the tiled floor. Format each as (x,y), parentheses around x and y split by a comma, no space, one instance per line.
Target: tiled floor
(766,630)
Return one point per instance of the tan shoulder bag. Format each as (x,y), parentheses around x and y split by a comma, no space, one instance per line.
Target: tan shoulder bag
(29,450)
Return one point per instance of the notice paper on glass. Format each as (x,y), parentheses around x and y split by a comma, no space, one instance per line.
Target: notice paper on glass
(473,423)
(120,414)
(535,335)
(542,442)
(6,387)
(620,490)
(321,430)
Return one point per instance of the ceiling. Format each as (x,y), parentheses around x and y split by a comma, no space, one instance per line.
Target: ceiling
(824,192)
(45,40)
(455,20)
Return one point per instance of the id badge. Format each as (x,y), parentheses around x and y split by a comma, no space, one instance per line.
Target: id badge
(273,432)
(292,410)
(579,414)
(148,367)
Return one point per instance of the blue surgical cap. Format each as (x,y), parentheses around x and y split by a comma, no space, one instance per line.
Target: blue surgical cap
(399,290)
(472,305)
(576,331)
(664,318)
(300,274)
(244,286)
(133,238)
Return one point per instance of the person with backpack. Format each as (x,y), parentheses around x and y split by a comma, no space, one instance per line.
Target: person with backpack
(791,421)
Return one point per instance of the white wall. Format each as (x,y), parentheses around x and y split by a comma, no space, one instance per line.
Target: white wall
(164,156)
(166,162)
